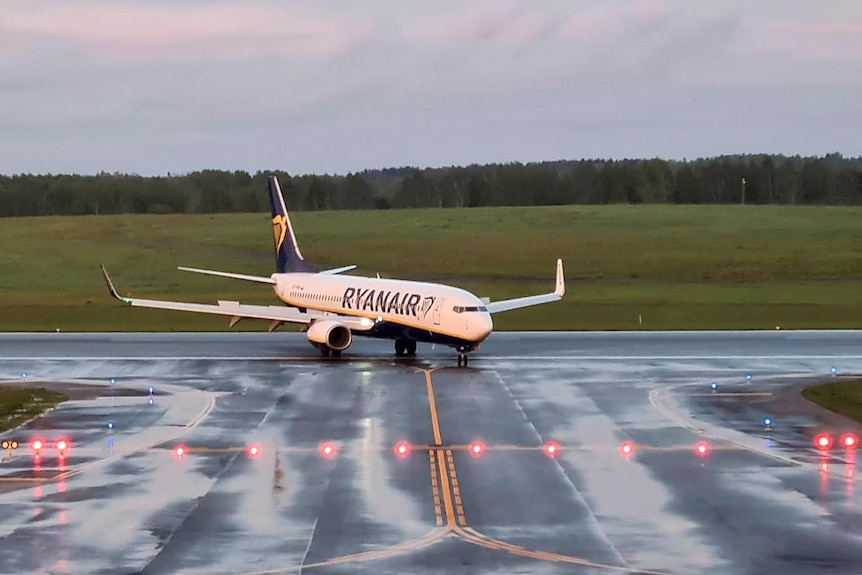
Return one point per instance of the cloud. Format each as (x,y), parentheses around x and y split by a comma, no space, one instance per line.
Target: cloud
(157,85)
(490,22)
(162,30)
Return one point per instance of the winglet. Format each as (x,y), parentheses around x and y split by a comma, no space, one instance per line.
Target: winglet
(560,289)
(111,289)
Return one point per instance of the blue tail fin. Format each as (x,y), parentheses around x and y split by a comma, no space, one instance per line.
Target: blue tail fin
(288,258)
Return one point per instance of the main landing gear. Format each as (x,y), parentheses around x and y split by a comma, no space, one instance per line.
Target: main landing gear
(325,350)
(405,347)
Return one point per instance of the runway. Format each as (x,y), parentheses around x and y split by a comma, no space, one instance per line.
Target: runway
(121,500)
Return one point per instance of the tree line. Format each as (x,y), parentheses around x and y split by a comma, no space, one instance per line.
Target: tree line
(751,179)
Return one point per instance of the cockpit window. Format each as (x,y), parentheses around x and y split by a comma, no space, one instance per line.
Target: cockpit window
(462,309)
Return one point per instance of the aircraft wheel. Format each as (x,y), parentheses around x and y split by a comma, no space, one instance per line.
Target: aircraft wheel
(324,351)
(400,346)
(411,347)
(336,353)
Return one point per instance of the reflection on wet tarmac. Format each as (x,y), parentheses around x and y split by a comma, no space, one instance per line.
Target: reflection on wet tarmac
(550,452)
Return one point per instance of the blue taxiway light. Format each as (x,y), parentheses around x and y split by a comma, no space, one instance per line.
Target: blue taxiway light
(113,381)
(833,369)
(767,421)
(713,386)
(110,425)
(151,390)
(24,375)
(748,377)
(150,401)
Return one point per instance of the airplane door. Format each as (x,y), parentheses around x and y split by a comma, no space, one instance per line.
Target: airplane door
(436,314)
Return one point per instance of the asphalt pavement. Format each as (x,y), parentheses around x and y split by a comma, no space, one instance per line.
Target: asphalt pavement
(474,491)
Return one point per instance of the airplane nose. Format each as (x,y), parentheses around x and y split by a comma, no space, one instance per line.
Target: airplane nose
(482,326)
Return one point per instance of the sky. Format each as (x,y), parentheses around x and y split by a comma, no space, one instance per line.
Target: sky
(333,86)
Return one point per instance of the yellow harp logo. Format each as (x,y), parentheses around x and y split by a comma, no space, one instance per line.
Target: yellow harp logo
(279,230)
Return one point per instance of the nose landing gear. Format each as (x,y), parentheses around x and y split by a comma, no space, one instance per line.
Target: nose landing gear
(462,357)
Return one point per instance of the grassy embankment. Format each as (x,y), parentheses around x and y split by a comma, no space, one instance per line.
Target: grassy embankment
(18,405)
(677,267)
(843,397)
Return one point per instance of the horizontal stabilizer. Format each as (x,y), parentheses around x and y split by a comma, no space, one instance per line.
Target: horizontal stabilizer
(335,271)
(510,304)
(258,279)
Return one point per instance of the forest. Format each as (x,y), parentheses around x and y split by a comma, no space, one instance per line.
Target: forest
(741,179)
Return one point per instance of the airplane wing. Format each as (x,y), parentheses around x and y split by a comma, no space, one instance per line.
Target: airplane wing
(509,304)
(276,314)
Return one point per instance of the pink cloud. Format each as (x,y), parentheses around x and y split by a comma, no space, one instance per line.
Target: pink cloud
(492,23)
(609,19)
(806,42)
(173,31)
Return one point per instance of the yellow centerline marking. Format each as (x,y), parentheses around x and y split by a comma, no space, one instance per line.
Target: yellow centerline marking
(432,404)
(447,495)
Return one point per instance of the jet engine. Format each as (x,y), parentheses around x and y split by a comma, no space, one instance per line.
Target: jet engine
(330,333)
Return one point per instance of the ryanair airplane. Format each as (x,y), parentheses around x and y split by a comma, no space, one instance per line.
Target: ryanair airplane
(333,308)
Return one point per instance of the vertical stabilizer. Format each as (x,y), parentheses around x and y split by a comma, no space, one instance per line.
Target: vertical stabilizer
(288,258)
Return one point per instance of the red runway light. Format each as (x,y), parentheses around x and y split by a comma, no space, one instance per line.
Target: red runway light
(627,447)
(702,448)
(253,450)
(552,448)
(823,441)
(61,445)
(180,451)
(477,449)
(849,441)
(328,450)
(37,444)
(402,449)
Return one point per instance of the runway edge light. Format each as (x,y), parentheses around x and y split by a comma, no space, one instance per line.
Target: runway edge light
(702,448)
(253,450)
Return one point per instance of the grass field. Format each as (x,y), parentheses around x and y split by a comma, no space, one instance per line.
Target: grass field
(674,267)
(844,397)
(20,405)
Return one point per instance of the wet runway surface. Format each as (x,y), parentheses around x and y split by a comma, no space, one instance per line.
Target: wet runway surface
(122,501)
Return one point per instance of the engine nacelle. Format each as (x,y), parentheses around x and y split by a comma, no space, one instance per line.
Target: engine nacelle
(330,333)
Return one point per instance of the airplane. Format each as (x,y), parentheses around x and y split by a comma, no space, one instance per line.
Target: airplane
(332,308)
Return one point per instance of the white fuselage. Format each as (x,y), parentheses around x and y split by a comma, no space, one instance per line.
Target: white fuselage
(428,311)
